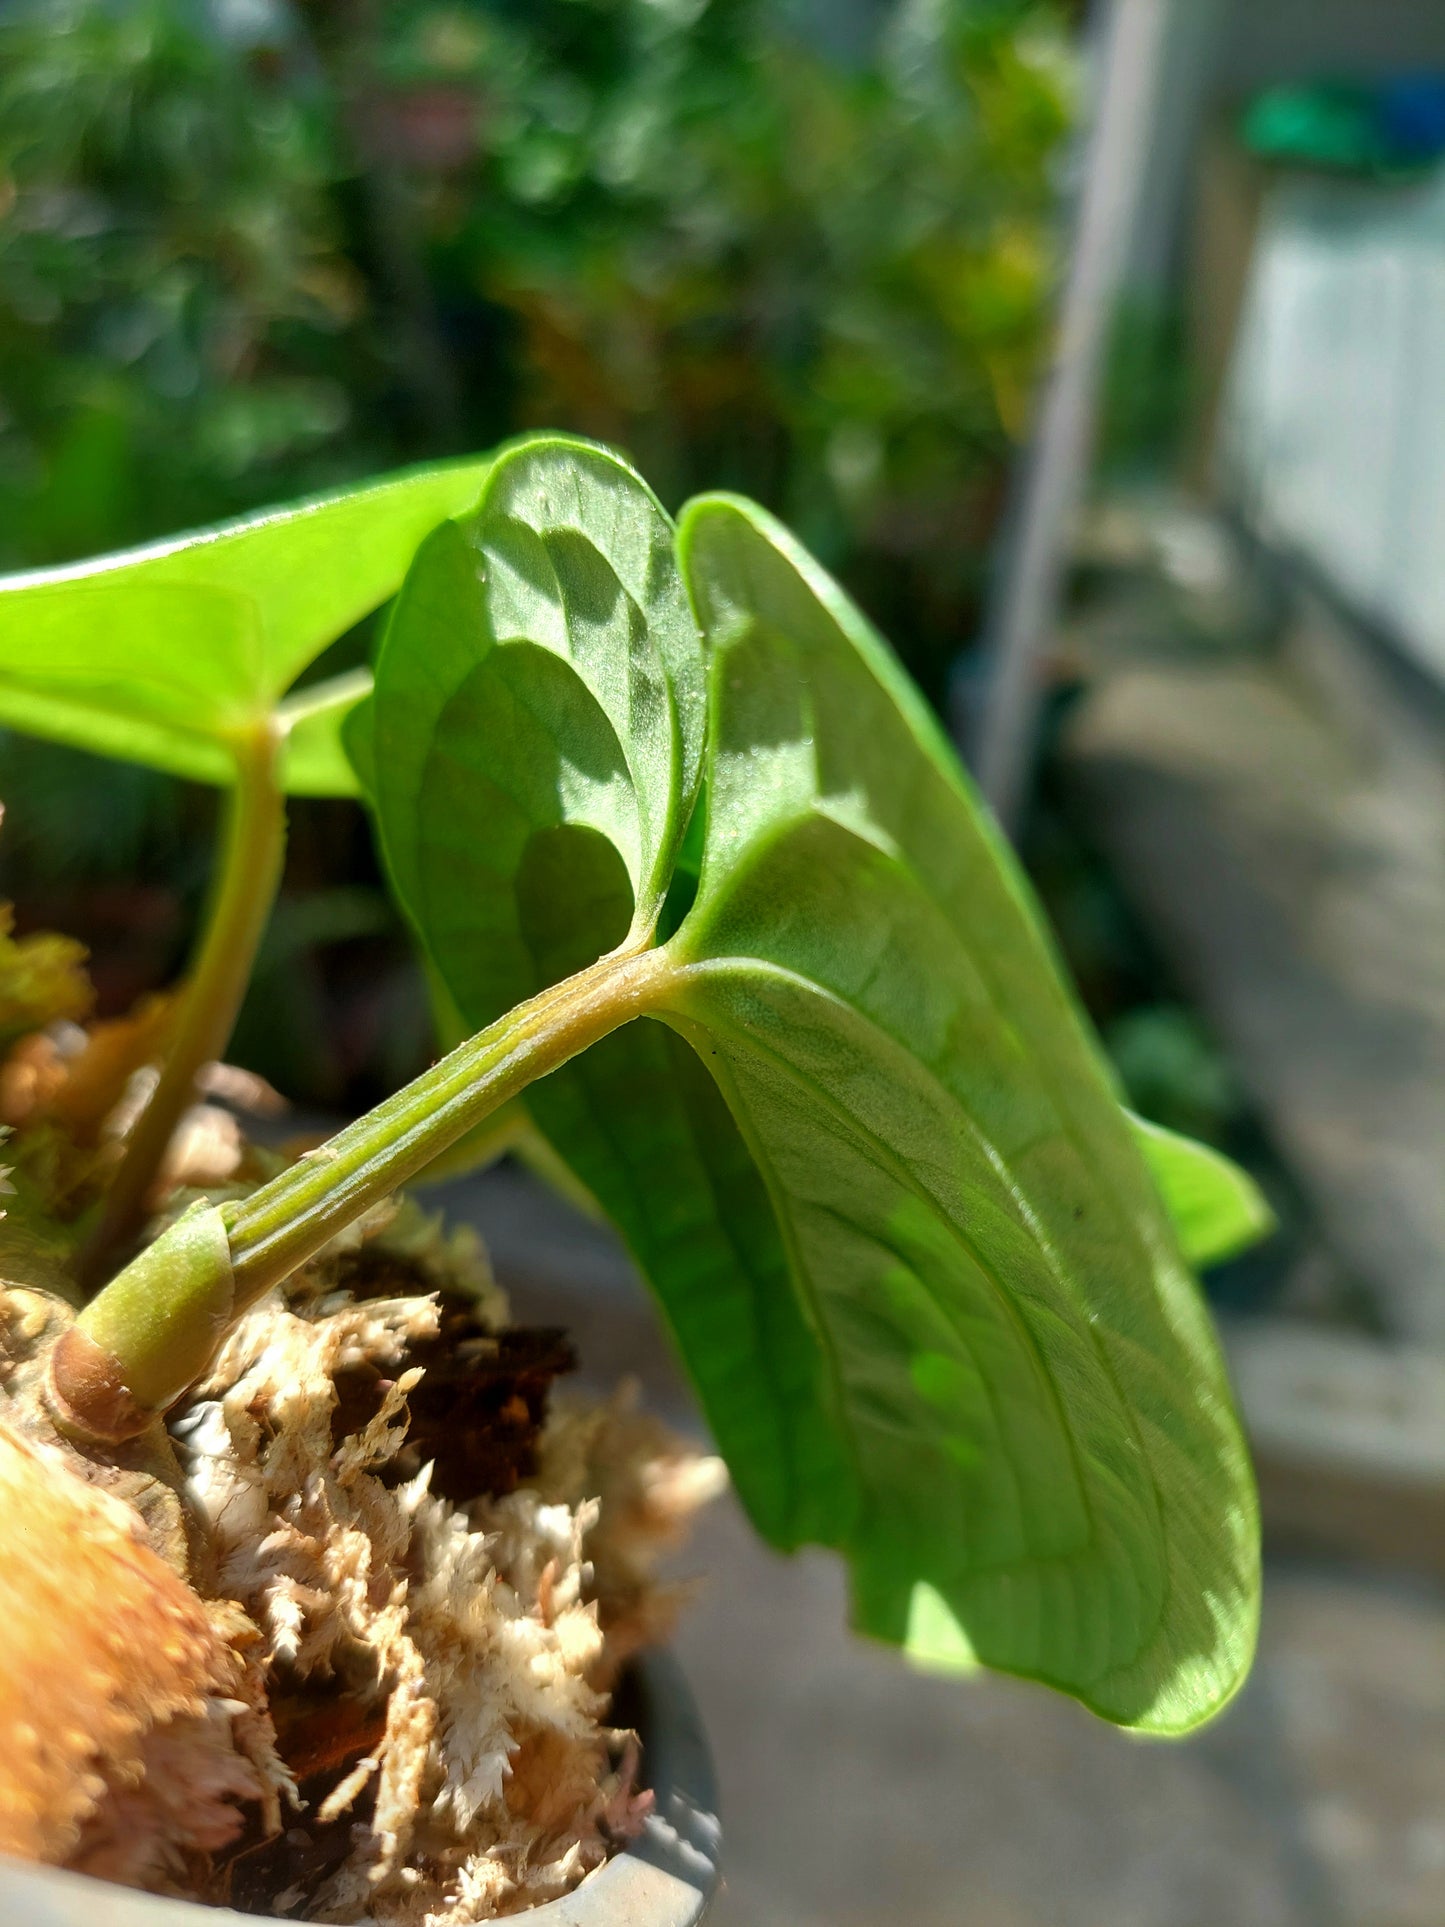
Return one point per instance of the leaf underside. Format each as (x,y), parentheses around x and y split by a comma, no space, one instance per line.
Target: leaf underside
(162,655)
(1048,1473)
(865,1151)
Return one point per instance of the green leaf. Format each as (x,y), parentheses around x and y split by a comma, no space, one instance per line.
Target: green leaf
(1216,1209)
(537,733)
(163,654)
(1049,1476)
(864,1149)
(523,842)
(315,719)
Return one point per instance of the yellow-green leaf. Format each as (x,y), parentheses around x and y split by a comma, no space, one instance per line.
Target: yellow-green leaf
(164,654)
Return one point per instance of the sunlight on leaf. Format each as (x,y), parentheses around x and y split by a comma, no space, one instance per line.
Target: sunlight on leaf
(161,654)
(1037,1420)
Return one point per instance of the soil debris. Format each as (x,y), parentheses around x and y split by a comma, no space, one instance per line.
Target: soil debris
(422,1581)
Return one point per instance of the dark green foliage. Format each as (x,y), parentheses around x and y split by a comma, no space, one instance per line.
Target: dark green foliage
(173,284)
(805,255)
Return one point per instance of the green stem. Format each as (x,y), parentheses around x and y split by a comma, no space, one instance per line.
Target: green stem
(177,1290)
(288,1220)
(255,843)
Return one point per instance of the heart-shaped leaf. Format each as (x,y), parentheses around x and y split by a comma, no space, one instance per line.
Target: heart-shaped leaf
(864,1149)
(164,655)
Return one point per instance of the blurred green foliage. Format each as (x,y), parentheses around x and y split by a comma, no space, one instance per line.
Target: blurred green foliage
(249,247)
(1173,1072)
(173,288)
(759,267)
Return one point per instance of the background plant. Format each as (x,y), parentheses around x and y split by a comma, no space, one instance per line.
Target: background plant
(182,656)
(807,255)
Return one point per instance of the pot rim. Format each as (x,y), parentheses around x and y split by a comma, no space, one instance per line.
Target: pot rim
(666,1877)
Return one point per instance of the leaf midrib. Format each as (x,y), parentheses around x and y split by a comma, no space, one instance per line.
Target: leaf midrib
(742,1116)
(651,887)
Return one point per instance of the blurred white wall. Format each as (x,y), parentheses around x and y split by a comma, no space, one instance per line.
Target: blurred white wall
(1218,51)
(1333,438)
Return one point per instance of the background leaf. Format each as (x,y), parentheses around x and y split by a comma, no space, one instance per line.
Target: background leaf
(315,761)
(159,654)
(1216,1209)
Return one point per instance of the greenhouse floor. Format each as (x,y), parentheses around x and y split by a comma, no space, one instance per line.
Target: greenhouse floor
(855,1793)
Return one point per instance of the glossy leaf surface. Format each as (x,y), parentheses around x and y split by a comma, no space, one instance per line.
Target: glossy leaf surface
(864,1151)
(160,655)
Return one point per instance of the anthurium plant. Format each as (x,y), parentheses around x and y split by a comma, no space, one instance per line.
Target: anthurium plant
(731,935)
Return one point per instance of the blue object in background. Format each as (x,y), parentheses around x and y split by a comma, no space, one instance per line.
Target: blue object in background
(1411,111)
